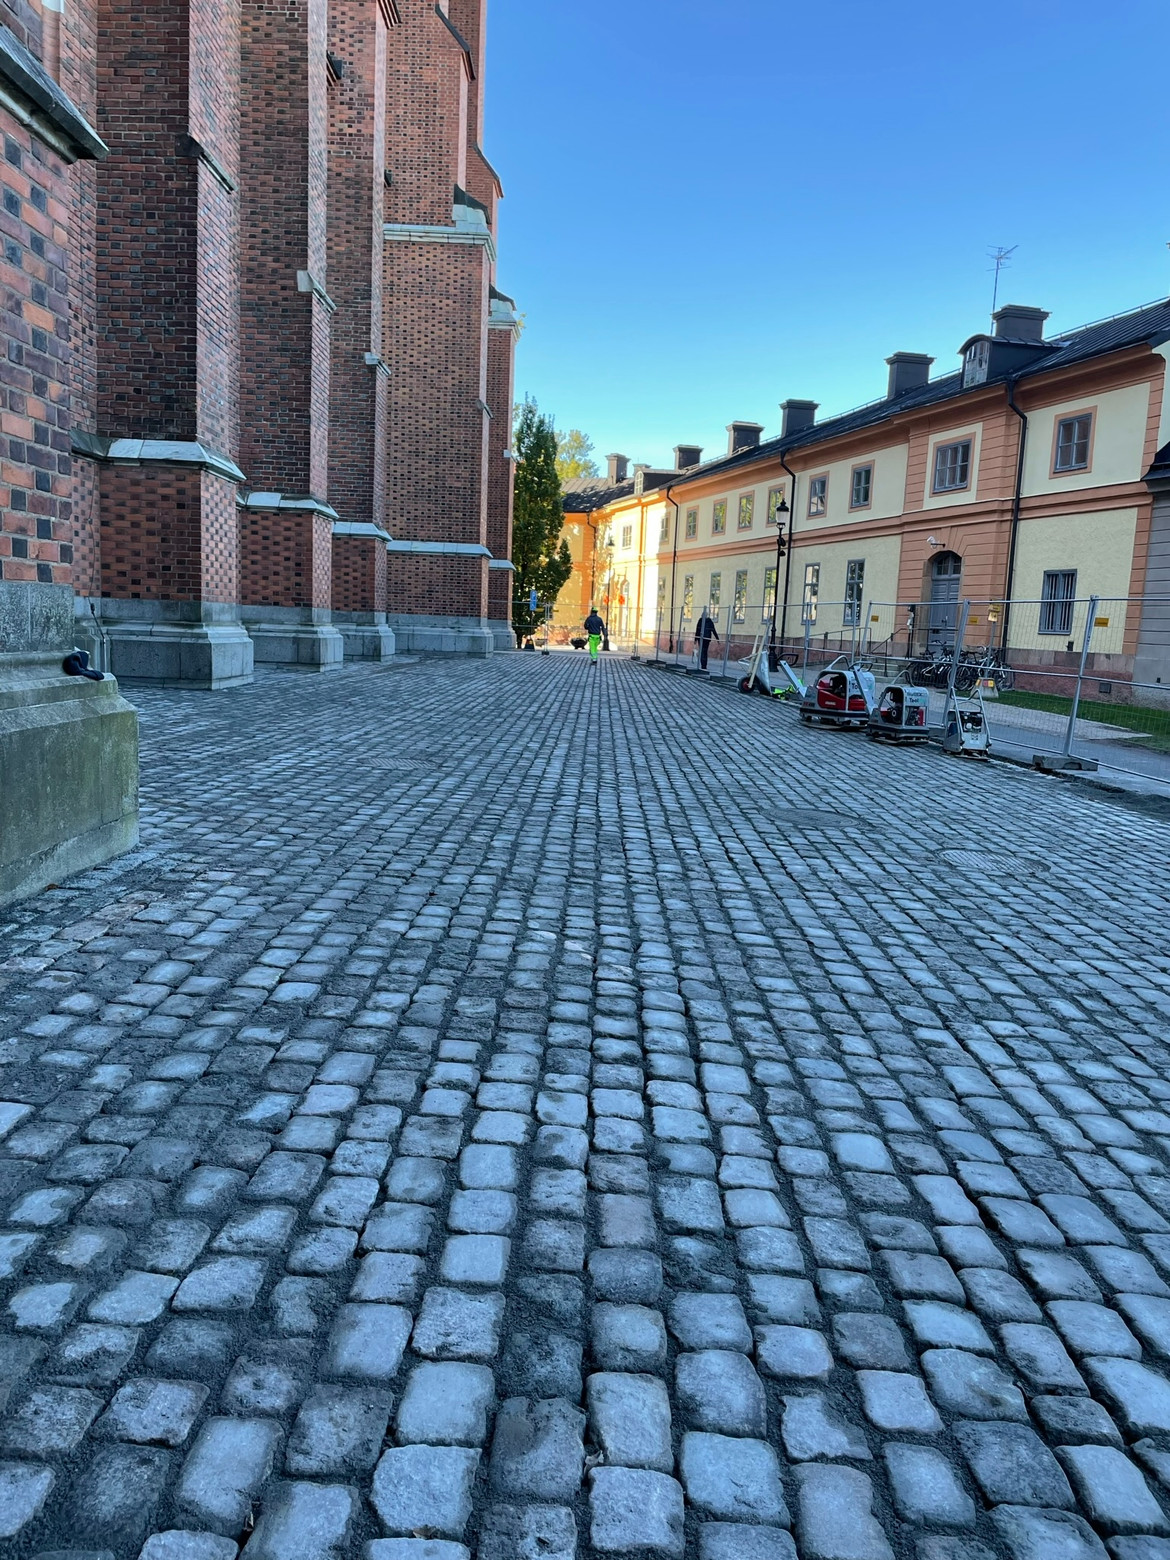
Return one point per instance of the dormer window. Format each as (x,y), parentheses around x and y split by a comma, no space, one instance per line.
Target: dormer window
(975,362)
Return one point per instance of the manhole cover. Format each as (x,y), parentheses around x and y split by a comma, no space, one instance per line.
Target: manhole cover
(812,818)
(988,864)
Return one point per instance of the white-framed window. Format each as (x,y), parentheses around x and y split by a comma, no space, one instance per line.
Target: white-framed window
(818,494)
(747,511)
(627,536)
(692,527)
(714,592)
(1073,439)
(664,531)
(719,517)
(661,594)
(952,466)
(769,592)
(854,586)
(860,487)
(739,602)
(812,589)
(1057,599)
(775,499)
(688,602)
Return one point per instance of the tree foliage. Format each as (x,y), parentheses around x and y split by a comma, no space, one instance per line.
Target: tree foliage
(574,452)
(540,555)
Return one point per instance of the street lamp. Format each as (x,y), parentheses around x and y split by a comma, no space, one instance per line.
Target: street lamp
(782,512)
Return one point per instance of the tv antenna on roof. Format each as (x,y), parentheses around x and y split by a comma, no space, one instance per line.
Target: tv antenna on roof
(1000,257)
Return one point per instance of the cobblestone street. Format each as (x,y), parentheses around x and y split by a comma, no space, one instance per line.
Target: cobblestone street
(519,1111)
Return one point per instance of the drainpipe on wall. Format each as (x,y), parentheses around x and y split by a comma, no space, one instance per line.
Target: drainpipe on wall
(788,553)
(1015,528)
(673,567)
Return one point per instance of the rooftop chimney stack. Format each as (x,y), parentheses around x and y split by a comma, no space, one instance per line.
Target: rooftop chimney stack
(1019,322)
(687,455)
(796,416)
(619,465)
(743,436)
(908,371)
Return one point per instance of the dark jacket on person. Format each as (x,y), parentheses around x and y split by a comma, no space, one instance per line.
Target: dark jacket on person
(594,624)
(706,629)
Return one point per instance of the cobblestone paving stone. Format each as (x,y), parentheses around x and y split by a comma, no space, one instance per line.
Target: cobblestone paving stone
(525,1111)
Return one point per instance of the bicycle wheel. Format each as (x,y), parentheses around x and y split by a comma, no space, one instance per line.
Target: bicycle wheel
(966,676)
(918,673)
(1004,677)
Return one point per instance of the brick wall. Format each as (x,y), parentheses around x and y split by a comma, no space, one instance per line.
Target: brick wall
(36,528)
(426,117)
(444,584)
(359,574)
(357,160)
(168,534)
(78,76)
(435,340)
(147,224)
(285,558)
(500,471)
(284,436)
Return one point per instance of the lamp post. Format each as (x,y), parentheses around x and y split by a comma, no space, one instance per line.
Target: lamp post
(782,513)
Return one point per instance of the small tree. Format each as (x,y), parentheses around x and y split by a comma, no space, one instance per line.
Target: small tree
(540,556)
(574,452)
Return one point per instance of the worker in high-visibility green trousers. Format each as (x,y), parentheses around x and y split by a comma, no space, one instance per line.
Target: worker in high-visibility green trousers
(595,628)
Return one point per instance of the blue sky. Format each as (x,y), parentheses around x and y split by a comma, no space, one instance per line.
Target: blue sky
(716,204)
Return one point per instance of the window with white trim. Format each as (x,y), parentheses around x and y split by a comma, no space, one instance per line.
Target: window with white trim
(812,589)
(739,602)
(692,524)
(664,531)
(747,510)
(952,466)
(775,499)
(860,487)
(719,517)
(1057,598)
(818,494)
(627,535)
(714,591)
(769,592)
(1073,435)
(854,586)
(688,601)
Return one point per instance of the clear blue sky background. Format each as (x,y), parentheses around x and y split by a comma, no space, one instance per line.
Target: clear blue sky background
(716,204)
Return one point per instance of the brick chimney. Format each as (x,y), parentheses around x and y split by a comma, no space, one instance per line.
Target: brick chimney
(743,436)
(687,455)
(1019,322)
(908,371)
(796,416)
(619,465)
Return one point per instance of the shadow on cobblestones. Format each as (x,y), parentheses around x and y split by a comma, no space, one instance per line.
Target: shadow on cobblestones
(513,1111)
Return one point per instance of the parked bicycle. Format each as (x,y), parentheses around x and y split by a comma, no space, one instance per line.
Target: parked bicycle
(983,664)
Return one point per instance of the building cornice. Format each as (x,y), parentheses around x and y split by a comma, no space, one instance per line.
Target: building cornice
(468,232)
(31,95)
(360,528)
(305,502)
(446,549)
(150,452)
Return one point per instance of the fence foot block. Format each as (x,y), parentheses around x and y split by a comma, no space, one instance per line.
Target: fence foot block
(1057,763)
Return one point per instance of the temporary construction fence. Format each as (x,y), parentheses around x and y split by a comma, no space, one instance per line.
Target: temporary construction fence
(1071,681)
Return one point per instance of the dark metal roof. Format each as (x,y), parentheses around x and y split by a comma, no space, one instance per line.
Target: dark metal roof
(1149,324)
(581,495)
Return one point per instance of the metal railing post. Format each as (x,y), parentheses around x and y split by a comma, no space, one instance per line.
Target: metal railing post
(678,637)
(1090,624)
(960,635)
(658,635)
(727,638)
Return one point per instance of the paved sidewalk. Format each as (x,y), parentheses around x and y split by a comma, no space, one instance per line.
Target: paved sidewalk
(528,1112)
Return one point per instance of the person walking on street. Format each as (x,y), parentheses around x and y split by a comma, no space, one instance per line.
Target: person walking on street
(595,628)
(705,632)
